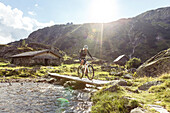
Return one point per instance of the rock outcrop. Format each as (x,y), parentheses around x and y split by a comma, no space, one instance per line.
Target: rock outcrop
(137,110)
(157,65)
(74,85)
(147,85)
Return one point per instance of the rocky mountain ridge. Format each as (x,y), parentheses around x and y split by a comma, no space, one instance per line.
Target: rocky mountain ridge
(142,36)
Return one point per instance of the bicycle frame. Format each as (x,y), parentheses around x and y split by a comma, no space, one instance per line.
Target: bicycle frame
(87,70)
(86,66)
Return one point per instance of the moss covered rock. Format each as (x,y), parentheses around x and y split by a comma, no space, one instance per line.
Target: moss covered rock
(75,84)
(147,85)
(157,65)
(112,99)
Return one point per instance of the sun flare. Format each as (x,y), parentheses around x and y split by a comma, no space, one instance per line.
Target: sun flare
(103,10)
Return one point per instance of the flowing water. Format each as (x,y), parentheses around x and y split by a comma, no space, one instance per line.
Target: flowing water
(42,98)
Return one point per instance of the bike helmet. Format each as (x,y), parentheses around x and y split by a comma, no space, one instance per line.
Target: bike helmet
(85,47)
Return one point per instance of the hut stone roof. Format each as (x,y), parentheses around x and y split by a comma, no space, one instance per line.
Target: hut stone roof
(118,58)
(34,53)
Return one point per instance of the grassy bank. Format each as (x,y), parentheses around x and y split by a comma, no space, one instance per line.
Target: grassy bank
(38,71)
(117,101)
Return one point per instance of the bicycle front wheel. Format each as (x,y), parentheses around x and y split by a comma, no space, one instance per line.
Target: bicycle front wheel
(80,72)
(90,72)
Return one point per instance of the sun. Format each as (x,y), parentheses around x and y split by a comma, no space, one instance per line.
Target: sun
(103,10)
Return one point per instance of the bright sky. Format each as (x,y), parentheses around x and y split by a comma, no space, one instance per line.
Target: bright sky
(18,18)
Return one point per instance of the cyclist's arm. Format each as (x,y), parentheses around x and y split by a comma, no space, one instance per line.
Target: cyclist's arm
(79,53)
(89,54)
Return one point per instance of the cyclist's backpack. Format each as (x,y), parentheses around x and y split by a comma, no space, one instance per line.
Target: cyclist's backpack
(82,52)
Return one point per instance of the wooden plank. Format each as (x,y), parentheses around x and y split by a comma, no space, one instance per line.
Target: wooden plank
(83,80)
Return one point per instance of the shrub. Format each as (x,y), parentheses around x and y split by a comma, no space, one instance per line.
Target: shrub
(109,103)
(135,74)
(112,101)
(167,83)
(133,103)
(133,63)
(165,76)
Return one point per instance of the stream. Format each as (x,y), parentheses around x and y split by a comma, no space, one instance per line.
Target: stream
(42,97)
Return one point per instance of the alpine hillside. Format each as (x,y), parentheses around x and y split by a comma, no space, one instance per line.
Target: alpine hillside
(142,36)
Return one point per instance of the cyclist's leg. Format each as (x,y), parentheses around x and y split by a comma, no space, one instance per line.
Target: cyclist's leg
(82,62)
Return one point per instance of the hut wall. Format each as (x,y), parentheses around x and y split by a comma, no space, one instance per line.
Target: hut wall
(122,61)
(55,62)
(40,59)
(47,59)
(23,61)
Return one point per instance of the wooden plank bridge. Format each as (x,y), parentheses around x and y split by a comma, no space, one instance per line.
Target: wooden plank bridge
(83,80)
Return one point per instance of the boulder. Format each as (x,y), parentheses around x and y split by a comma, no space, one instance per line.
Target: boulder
(158,108)
(122,82)
(147,85)
(132,70)
(157,65)
(128,76)
(119,82)
(52,80)
(132,90)
(61,81)
(119,74)
(75,84)
(137,110)
(113,88)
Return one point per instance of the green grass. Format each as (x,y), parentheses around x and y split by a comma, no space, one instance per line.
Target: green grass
(25,47)
(112,102)
(152,96)
(3,64)
(64,69)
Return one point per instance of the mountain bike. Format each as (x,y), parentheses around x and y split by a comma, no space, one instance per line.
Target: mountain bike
(86,69)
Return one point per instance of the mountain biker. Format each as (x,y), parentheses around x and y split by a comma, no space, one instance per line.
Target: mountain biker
(83,54)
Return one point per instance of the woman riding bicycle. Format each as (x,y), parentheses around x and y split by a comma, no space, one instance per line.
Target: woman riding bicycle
(83,54)
(87,69)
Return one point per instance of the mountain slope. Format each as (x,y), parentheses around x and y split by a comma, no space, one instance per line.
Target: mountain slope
(142,36)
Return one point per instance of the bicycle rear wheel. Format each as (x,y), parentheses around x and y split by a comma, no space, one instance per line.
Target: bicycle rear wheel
(90,74)
(80,72)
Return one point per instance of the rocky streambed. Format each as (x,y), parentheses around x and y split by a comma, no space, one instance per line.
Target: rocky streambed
(33,97)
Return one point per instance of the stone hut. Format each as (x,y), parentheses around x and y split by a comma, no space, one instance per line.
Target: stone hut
(121,60)
(43,57)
